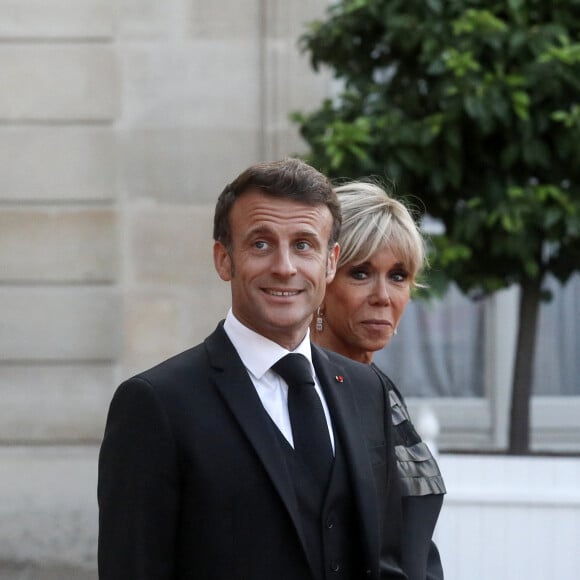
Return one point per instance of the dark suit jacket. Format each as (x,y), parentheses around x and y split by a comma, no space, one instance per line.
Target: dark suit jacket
(420,556)
(422,499)
(192,484)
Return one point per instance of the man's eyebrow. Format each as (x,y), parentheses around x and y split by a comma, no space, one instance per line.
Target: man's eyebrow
(265,229)
(261,229)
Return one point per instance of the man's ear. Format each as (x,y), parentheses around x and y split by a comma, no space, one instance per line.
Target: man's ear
(222,261)
(333,254)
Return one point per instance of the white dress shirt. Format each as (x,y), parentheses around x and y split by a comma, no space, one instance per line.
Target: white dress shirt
(258,354)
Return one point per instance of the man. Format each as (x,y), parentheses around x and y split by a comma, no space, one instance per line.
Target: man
(203,470)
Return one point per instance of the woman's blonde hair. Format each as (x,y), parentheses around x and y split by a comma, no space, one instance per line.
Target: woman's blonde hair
(372,219)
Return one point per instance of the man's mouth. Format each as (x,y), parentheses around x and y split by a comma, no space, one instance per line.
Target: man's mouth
(282,293)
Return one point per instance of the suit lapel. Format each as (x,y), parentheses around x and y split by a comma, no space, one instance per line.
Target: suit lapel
(237,390)
(346,425)
(235,386)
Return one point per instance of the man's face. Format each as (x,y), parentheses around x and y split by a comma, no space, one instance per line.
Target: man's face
(279,264)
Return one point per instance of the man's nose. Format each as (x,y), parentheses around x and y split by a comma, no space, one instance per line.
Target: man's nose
(284,262)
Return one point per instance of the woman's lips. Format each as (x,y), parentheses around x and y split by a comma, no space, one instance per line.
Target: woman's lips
(377,322)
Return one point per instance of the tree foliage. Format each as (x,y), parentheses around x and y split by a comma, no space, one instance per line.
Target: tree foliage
(472,106)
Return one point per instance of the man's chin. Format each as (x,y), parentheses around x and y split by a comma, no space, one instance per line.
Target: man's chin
(282,322)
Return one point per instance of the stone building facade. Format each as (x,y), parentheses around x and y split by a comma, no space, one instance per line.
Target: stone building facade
(120,123)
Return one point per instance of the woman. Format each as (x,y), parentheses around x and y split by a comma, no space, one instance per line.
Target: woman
(381,255)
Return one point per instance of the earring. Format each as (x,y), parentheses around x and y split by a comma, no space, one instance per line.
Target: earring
(319,321)
(395,331)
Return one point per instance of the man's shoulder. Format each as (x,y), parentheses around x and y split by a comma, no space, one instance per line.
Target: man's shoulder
(178,363)
(336,358)
(353,368)
(184,365)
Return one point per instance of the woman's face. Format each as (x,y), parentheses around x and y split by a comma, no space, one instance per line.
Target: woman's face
(364,304)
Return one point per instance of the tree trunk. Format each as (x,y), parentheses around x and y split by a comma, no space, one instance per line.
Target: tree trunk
(519,436)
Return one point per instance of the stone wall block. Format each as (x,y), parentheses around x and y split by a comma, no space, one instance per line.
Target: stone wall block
(48,513)
(57,163)
(206,19)
(163,323)
(59,323)
(288,20)
(57,245)
(150,20)
(58,82)
(173,164)
(152,330)
(56,19)
(291,84)
(172,245)
(48,403)
(207,306)
(201,84)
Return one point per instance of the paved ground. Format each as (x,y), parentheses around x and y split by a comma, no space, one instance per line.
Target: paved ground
(32,572)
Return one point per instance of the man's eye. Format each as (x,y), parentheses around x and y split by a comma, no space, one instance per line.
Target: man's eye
(260,245)
(302,245)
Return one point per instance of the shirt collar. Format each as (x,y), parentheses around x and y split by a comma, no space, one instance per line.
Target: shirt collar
(257,352)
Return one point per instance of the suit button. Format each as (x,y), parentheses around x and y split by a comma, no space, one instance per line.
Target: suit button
(335,566)
(329,524)
(368,572)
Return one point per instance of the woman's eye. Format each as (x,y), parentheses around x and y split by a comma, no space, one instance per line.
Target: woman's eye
(359,274)
(400,276)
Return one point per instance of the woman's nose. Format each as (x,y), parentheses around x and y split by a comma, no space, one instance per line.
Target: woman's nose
(380,293)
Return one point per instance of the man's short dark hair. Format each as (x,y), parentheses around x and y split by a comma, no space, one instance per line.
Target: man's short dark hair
(288,178)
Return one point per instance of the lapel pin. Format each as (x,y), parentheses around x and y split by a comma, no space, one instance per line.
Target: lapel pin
(339,378)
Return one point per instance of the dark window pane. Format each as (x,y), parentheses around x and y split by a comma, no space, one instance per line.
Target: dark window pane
(557,361)
(439,349)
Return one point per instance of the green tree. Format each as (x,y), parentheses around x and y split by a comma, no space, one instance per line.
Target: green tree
(474,107)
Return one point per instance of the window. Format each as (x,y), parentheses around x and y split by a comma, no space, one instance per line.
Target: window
(456,356)
(557,364)
(439,348)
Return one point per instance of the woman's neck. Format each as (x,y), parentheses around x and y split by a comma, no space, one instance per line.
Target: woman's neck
(328,340)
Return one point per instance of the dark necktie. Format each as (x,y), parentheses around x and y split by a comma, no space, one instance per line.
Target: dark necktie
(309,428)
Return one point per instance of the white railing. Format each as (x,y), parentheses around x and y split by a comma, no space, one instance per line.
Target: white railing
(510,518)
